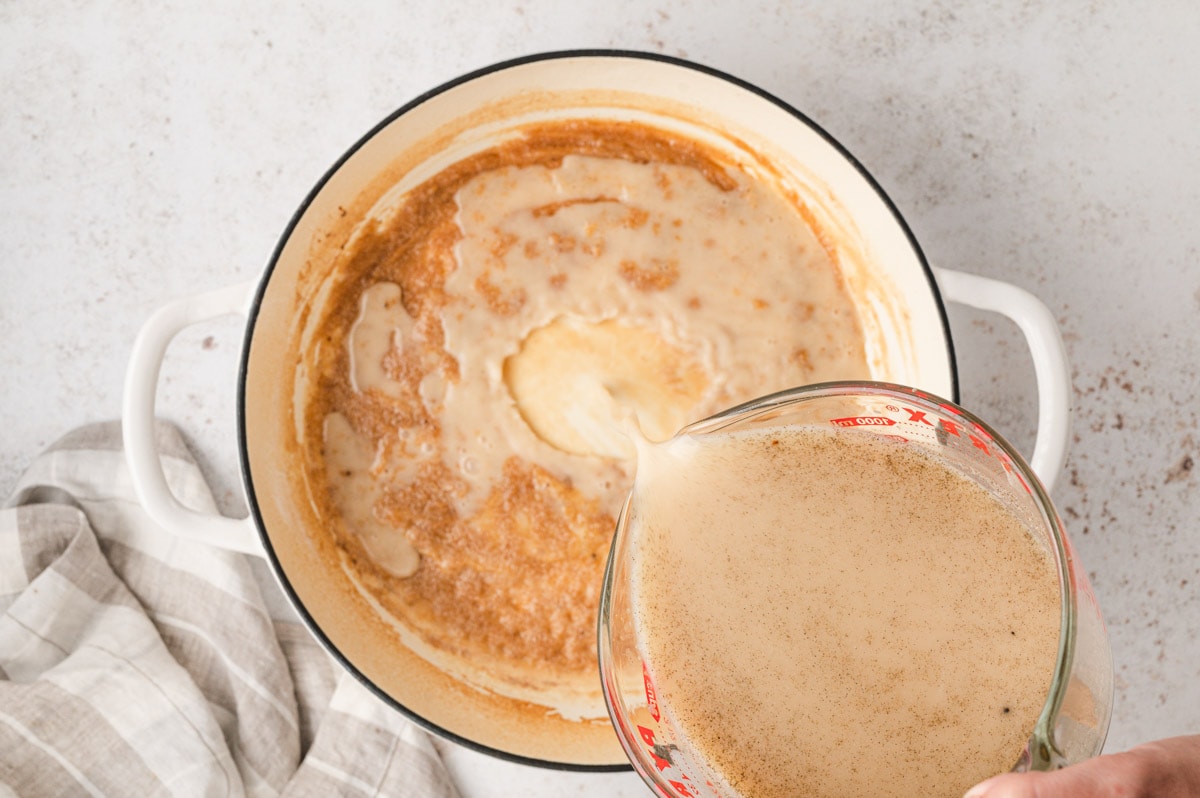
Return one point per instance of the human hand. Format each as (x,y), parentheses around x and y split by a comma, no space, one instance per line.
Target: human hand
(1163,769)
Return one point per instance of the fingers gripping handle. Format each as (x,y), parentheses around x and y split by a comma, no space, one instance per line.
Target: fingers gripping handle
(137,423)
(1045,343)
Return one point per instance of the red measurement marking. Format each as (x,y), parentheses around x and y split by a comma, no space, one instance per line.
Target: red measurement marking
(683,789)
(648,739)
(862,421)
(918,417)
(979,437)
(651,695)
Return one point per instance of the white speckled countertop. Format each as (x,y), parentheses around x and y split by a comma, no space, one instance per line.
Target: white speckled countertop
(151,151)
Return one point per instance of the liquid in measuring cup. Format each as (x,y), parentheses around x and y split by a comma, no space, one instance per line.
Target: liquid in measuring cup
(832,613)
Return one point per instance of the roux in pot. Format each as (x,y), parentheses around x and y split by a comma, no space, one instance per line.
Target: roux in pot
(488,337)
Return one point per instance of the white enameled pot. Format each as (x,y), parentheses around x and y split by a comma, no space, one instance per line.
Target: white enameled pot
(898,295)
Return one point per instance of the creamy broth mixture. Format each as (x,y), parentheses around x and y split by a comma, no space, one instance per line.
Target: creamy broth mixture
(817,631)
(488,335)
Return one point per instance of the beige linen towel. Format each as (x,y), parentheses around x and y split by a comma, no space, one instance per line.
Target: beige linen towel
(134,663)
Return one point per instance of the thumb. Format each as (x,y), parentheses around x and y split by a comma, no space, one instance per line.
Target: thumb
(1101,777)
(1010,785)
(1163,769)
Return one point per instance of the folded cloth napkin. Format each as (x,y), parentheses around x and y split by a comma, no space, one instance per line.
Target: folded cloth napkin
(135,663)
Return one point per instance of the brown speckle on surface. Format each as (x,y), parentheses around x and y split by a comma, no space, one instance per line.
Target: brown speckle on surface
(1182,470)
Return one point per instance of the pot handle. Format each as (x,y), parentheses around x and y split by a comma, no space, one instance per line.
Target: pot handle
(1045,343)
(137,422)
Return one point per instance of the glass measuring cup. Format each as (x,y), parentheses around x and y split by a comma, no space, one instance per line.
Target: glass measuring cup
(1075,714)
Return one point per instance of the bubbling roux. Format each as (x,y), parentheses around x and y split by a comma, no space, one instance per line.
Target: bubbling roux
(814,629)
(485,338)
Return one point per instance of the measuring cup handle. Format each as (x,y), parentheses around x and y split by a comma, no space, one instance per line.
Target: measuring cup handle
(137,422)
(1045,343)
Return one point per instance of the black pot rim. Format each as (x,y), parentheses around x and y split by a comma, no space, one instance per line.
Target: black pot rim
(252,316)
